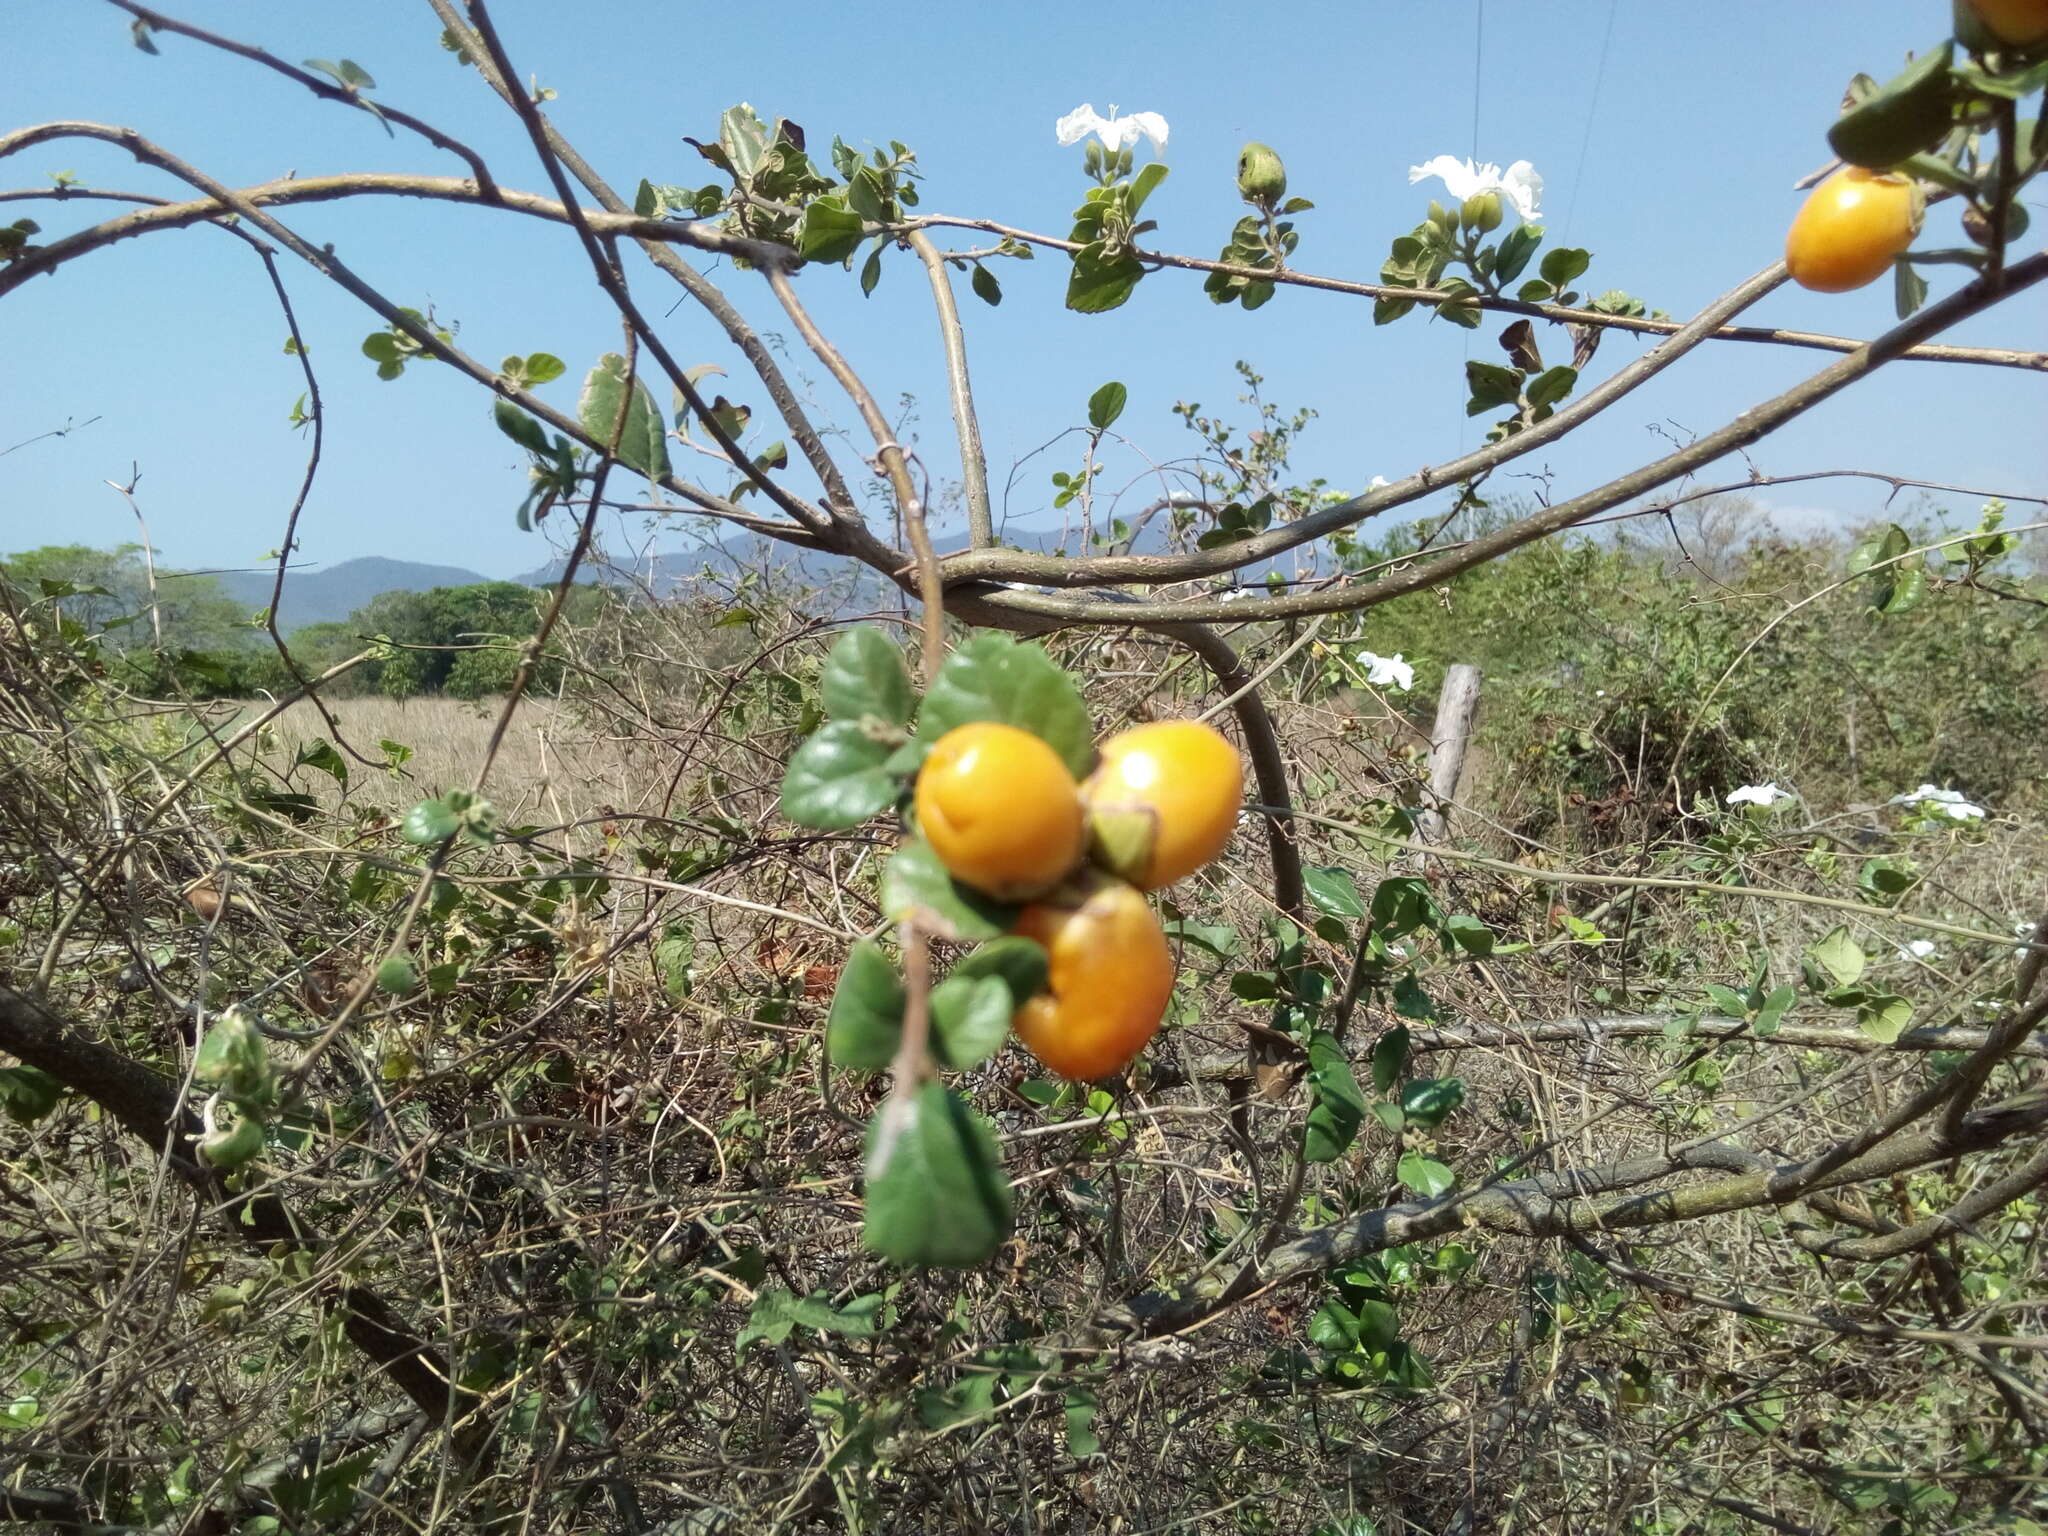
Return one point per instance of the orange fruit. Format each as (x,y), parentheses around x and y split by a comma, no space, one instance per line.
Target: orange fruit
(1851,227)
(1164,801)
(1109,977)
(1000,809)
(2022,23)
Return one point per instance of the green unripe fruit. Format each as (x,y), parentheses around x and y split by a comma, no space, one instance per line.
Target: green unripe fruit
(1261,178)
(241,1143)
(397,975)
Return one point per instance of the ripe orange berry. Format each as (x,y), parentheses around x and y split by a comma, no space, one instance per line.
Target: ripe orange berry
(1164,800)
(2022,23)
(1851,227)
(1000,810)
(1109,979)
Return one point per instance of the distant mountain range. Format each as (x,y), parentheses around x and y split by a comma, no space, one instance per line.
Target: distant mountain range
(320,594)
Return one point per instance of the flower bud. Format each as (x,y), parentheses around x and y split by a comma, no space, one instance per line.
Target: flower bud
(1261,178)
(1481,213)
(1091,157)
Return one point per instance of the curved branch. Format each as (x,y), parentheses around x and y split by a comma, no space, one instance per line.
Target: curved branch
(1561,1204)
(326,90)
(838,498)
(323,260)
(1757,422)
(1046,570)
(1561,314)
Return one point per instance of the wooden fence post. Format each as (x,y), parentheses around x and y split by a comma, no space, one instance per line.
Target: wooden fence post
(1456,707)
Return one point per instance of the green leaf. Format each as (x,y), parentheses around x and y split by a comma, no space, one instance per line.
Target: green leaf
(936,1193)
(1909,288)
(1021,964)
(1379,1325)
(1082,1441)
(866,1019)
(993,677)
(1389,1058)
(28,1093)
(1401,904)
(1334,1327)
(1491,385)
(1840,956)
(1727,1001)
(1514,251)
(1773,1011)
(643,444)
(871,271)
(1909,113)
(1333,891)
(673,954)
(1884,1017)
(1427,1100)
(1563,264)
(1411,1001)
(914,880)
(1254,986)
(319,753)
(1469,934)
(1551,386)
(1144,184)
(865,678)
(838,778)
(776,1313)
(1336,1107)
(1106,404)
(985,286)
(830,231)
(1425,1175)
(232,1057)
(519,426)
(970,1019)
(1098,283)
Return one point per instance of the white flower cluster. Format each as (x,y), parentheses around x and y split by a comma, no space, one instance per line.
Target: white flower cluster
(1116,133)
(1519,183)
(1941,802)
(1387,671)
(1765,795)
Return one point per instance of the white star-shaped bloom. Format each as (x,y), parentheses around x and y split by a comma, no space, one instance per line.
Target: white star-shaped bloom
(1387,671)
(1116,133)
(1519,183)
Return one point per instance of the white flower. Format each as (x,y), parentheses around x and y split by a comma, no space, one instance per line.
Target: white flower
(1235,594)
(1942,802)
(1916,949)
(1757,794)
(1519,183)
(1115,132)
(1387,671)
(1377,483)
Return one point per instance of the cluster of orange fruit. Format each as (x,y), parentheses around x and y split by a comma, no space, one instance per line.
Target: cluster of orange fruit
(1857,221)
(1004,816)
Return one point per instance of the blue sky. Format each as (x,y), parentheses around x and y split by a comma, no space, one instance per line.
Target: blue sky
(1673,164)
